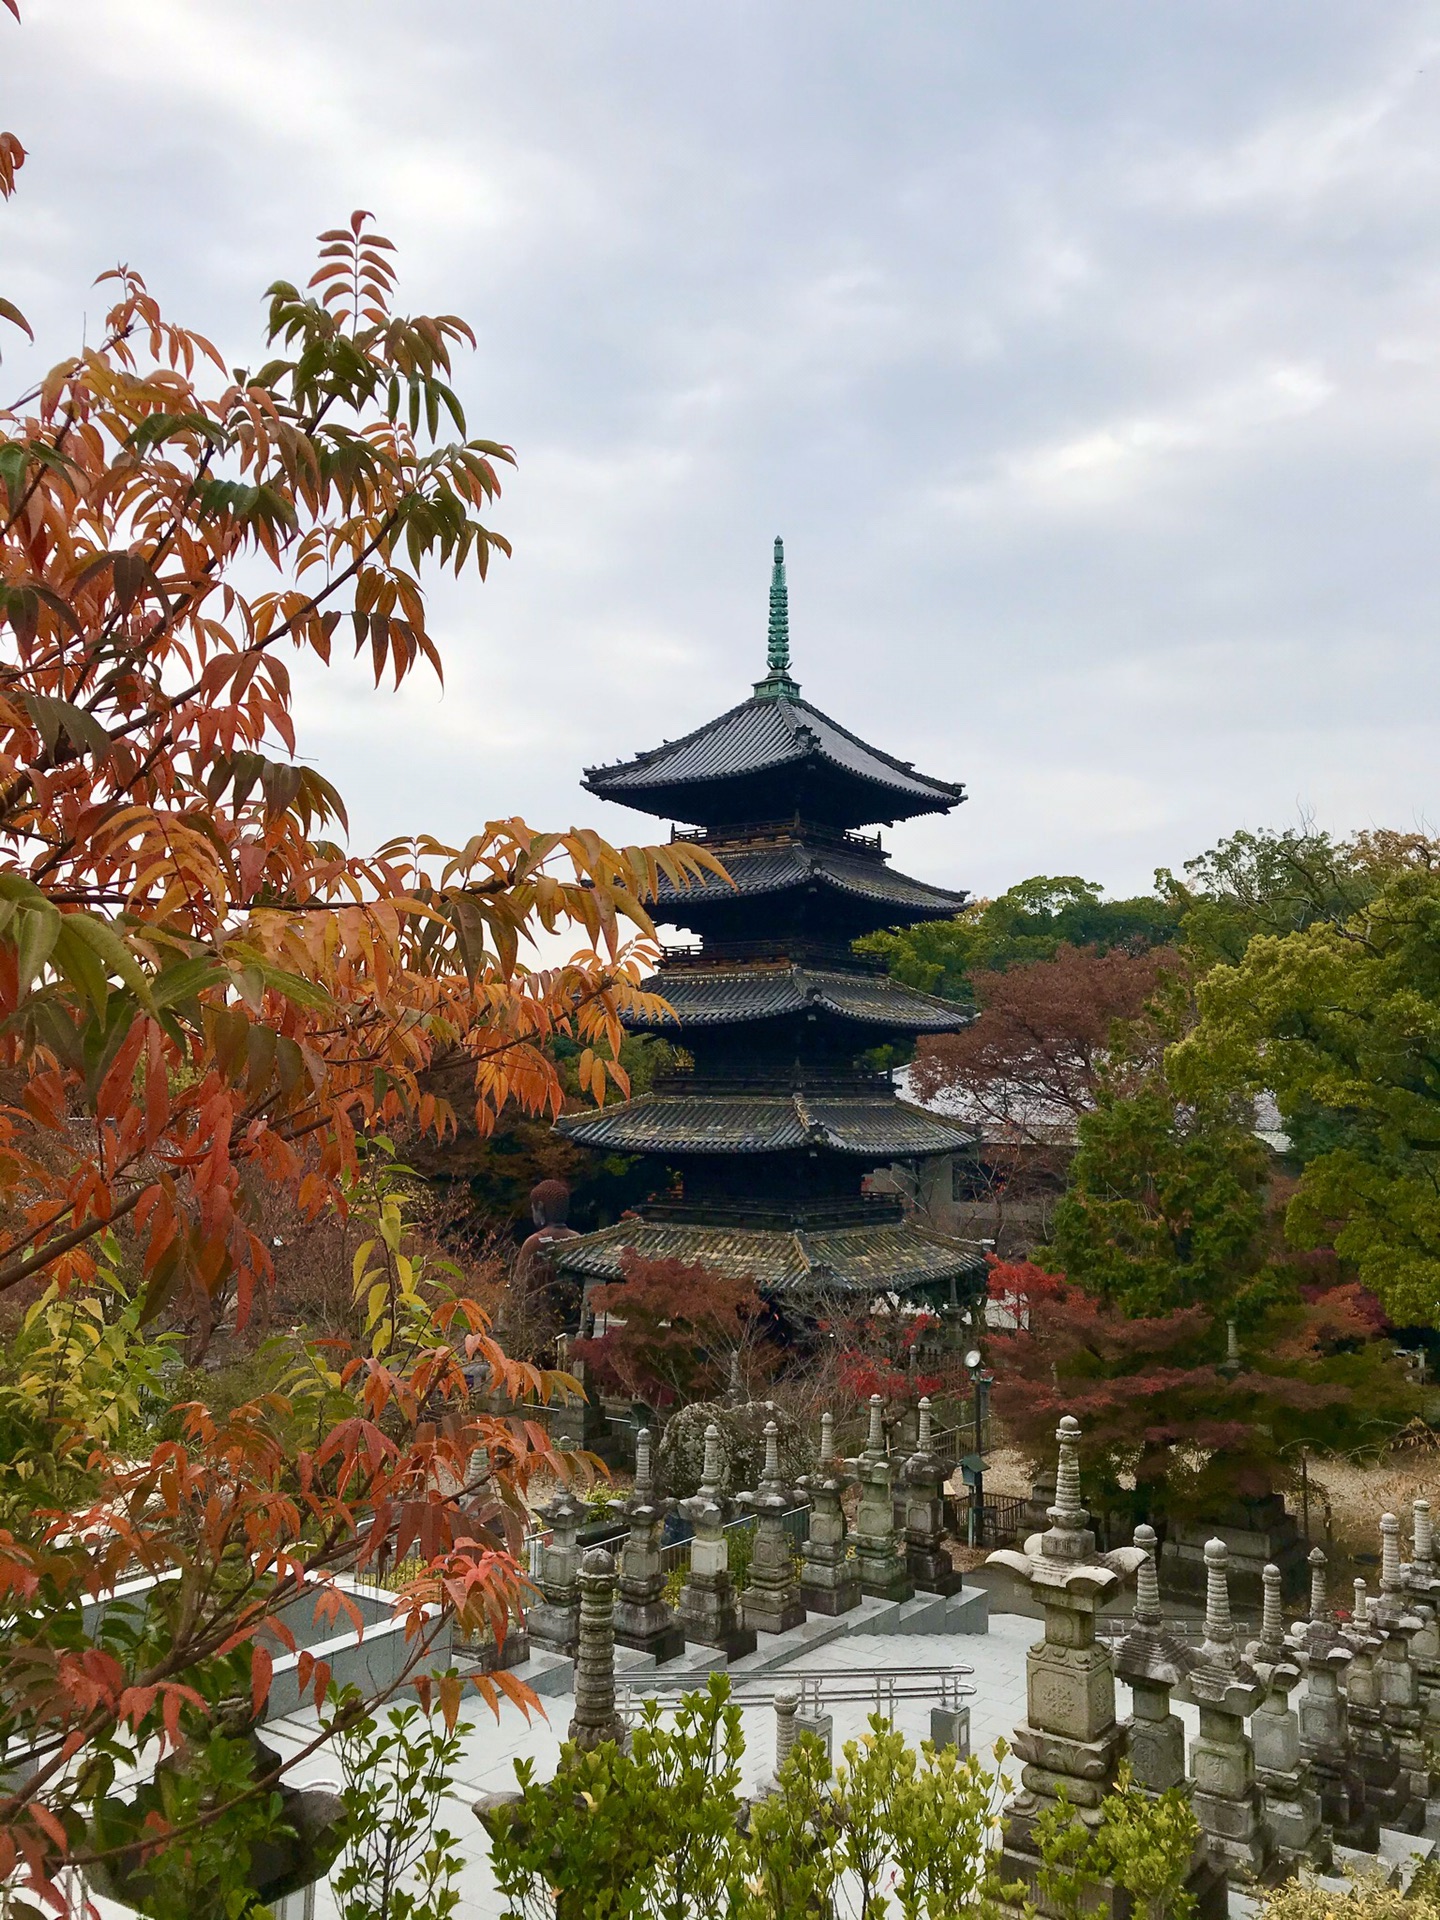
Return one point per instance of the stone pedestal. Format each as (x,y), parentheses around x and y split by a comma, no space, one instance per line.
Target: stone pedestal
(642,1619)
(879,1560)
(829,1578)
(1153,1662)
(596,1719)
(707,1612)
(1257,1533)
(1324,1657)
(926,1561)
(771,1602)
(555,1621)
(1290,1804)
(1226,1795)
(1070,1741)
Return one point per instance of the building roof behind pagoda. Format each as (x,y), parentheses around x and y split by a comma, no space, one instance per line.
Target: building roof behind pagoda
(779,736)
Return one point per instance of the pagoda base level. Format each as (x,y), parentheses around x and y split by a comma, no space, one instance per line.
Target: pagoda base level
(831,1600)
(665,1643)
(772,1620)
(734,1645)
(898,1587)
(933,1572)
(896,1256)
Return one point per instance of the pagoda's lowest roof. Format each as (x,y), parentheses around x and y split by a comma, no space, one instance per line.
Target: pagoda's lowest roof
(706,997)
(763,735)
(897,1256)
(872,1127)
(787,865)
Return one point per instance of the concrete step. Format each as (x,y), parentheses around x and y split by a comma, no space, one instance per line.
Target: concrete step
(546,1673)
(924,1614)
(968,1611)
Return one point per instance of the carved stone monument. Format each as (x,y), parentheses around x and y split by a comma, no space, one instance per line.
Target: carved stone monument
(1393,1616)
(1423,1582)
(1289,1802)
(1070,1741)
(555,1621)
(707,1612)
(1227,1690)
(1325,1655)
(642,1619)
(596,1719)
(771,1602)
(1152,1661)
(928,1564)
(829,1578)
(878,1553)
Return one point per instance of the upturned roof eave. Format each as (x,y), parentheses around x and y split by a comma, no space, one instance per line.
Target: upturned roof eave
(606,782)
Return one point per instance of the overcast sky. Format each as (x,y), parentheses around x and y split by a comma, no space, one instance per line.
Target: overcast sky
(1086,355)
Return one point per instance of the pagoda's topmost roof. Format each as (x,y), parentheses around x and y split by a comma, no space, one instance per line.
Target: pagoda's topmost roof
(773,754)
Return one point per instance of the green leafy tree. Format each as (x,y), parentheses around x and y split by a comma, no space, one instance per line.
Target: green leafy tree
(397,1864)
(1147,1847)
(1165,1201)
(1341,1021)
(1279,883)
(617,1835)
(1029,921)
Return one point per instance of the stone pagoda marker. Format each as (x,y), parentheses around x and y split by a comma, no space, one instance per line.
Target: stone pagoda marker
(771,1602)
(642,1619)
(1227,1690)
(1397,1684)
(1325,1655)
(1153,1662)
(761,1148)
(555,1621)
(879,1556)
(596,1718)
(1071,1742)
(829,1579)
(1422,1579)
(930,1567)
(1290,1805)
(707,1612)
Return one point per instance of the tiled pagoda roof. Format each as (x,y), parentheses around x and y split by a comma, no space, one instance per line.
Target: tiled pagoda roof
(873,1127)
(768,734)
(897,1256)
(785,865)
(716,997)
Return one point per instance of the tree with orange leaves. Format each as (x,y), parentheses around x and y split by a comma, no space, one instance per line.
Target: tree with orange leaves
(202,993)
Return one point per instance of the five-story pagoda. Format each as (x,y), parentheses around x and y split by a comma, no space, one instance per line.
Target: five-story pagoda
(768,1137)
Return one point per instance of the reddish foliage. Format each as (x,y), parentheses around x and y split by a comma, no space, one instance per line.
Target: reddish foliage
(1043,1039)
(1168,1427)
(673,1329)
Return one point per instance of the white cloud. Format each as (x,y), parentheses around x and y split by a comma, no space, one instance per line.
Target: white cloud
(1085,357)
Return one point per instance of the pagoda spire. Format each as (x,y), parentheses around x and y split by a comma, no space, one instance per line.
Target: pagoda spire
(777,684)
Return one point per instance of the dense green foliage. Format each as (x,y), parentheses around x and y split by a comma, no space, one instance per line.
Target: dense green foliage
(662,1832)
(1165,1200)
(1030,921)
(1341,1021)
(397,1864)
